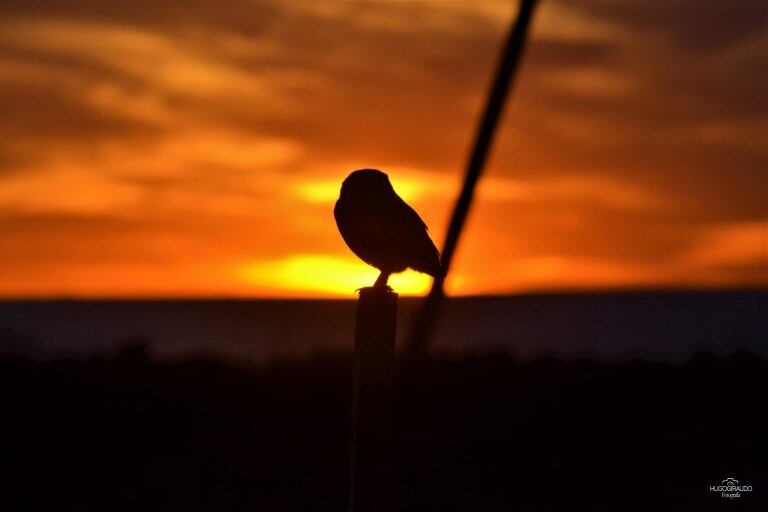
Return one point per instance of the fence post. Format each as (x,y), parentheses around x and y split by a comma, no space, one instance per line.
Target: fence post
(371,457)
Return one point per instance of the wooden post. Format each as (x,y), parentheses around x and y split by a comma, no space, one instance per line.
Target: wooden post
(371,457)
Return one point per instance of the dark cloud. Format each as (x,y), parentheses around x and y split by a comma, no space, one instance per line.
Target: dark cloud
(704,25)
(62,116)
(687,117)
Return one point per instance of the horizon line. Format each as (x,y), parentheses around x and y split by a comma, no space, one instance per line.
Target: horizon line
(758,288)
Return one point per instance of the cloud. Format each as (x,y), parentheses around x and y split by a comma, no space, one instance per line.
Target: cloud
(731,252)
(706,26)
(214,135)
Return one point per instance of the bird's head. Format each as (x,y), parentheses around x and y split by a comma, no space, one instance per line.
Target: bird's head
(366,183)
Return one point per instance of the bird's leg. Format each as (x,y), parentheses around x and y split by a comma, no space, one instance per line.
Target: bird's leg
(381,281)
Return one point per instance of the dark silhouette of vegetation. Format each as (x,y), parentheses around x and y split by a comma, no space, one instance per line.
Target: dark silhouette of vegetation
(485,433)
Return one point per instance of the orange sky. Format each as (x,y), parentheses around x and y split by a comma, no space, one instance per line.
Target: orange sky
(196,148)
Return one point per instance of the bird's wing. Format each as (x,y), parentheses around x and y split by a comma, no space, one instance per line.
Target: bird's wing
(370,234)
(422,255)
(410,214)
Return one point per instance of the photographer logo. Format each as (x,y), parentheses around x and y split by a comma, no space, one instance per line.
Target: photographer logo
(731,488)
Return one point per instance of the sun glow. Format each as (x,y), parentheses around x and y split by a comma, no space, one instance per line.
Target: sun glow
(326,275)
(327,191)
(202,156)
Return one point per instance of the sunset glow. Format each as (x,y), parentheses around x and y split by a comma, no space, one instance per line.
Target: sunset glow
(325,275)
(199,149)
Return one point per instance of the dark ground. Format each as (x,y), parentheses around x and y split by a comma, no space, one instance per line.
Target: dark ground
(476,434)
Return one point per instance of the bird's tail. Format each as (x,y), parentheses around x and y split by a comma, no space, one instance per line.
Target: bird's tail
(429,263)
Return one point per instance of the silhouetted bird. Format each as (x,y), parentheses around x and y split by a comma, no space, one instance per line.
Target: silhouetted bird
(381,229)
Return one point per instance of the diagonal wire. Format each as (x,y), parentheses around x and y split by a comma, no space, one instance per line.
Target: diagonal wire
(424,324)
